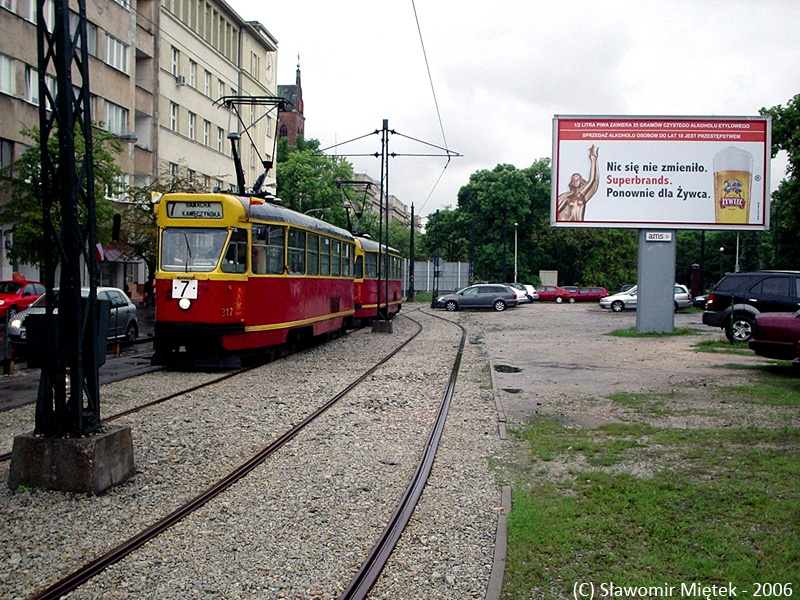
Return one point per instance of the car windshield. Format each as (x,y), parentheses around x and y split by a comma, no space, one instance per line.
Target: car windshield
(10,287)
(188,249)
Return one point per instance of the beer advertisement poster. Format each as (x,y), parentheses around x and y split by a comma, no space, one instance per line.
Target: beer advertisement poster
(668,172)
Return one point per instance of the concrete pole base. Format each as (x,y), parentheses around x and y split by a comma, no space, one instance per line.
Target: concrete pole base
(381,326)
(89,465)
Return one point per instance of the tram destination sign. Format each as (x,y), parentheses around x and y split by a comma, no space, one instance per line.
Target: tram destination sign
(661,172)
(194,210)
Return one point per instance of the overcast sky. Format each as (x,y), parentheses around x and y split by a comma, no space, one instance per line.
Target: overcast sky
(501,70)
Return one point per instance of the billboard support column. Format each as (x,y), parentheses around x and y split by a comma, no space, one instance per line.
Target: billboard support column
(655,302)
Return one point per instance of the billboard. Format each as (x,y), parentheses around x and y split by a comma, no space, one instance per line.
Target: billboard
(661,172)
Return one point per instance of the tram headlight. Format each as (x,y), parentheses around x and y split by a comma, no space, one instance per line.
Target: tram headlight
(184,303)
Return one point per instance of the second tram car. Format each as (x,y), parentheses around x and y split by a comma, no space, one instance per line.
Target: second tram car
(238,274)
(374,295)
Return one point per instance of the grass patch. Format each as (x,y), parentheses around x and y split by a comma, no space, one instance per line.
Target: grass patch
(727,513)
(631,332)
(720,347)
(714,505)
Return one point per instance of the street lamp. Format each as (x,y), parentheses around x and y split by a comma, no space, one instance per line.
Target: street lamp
(721,272)
(516,225)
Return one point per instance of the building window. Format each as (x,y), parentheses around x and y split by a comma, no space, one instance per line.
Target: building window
(116,54)
(255,65)
(220,140)
(207,85)
(118,188)
(116,118)
(49,13)
(9,5)
(6,158)
(192,73)
(206,133)
(91,33)
(175,61)
(192,123)
(173,116)
(6,75)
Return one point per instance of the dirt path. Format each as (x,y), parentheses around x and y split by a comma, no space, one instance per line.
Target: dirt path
(568,366)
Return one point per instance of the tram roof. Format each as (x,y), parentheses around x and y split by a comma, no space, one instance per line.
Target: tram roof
(371,245)
(268,211)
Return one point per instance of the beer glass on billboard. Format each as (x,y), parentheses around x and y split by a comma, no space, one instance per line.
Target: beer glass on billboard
(733,171)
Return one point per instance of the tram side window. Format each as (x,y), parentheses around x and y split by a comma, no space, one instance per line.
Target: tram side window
(313,254)
(347,259)
(297,252)
(370,265)
(268,249)
(235,259)
(324,256)
(358,271)
(336,258)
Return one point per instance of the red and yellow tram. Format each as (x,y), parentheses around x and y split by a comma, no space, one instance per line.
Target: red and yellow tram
(238,274)
(377,296)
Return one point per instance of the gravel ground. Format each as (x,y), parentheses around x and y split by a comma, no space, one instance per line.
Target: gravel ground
(300,524)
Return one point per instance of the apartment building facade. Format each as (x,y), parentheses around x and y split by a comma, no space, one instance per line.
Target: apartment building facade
(156,70)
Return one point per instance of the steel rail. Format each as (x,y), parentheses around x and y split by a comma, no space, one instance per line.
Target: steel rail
(82,575)
(371,568)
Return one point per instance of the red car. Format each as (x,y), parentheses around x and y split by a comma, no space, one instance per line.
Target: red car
(17,295)
(588,294)
(552,293)
(776,335)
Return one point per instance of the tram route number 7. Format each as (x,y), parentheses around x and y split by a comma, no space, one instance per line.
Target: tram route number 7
(184,288)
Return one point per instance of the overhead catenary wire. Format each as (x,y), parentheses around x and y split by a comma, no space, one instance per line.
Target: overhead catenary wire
(435,103)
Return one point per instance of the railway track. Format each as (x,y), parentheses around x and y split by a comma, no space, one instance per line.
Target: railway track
(371,567)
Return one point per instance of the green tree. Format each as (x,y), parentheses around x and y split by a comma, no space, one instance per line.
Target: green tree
(24,210)
(785,209)
(489,206)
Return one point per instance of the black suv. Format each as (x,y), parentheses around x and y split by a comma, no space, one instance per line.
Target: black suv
(738,297)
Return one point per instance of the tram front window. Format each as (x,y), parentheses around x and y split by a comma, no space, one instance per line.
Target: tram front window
(189,250)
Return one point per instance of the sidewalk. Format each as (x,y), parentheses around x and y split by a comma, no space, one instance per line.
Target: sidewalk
(21,385)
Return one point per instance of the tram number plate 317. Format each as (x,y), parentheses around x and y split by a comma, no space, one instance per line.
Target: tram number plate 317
(184,288)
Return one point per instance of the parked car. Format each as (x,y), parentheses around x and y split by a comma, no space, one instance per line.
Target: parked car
(552,293)
(483,295)
(531,292)
(520,291)
(588,294)
(738,298)
(628,300)
(122,325)
(572,289)
(17,295)
(700,301)
(776,335)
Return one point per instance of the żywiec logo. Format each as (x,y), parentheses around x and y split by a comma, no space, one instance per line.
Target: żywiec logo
(732,188)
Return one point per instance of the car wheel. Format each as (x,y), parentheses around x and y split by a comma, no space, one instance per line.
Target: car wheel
(572,300)
(559,299)
(740,329)
(617,306)
(499,305)
(451,305)
(131,333)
